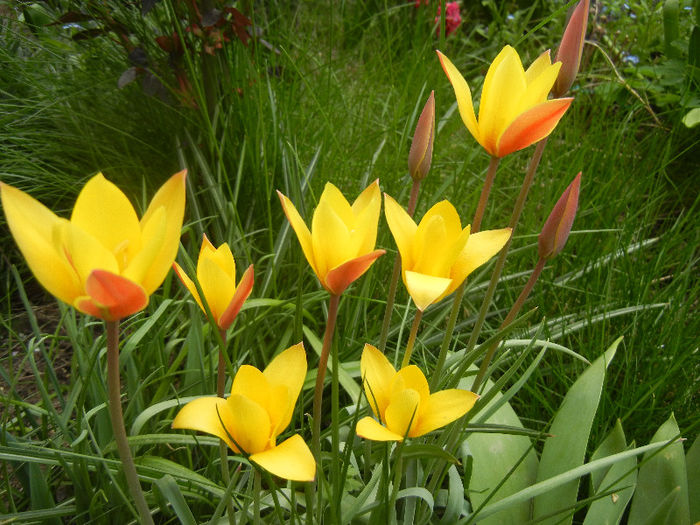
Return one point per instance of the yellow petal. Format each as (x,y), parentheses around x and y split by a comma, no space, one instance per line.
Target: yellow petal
(425,289)
(369,428)
(152,237)
(291,459)
(504,86)
(201,414)
(402,228)
(411,377)
(218,287)
(541,64)
(442,408)
(334,198)
(402,412)
(439,240)
(250,426)
(87,253)
(224,260)
(104,212)
(300,228)
(288,369)
(171,197)
(377,373)
(463,95)
(251,383)
(38,234)
(539,88)
(331,239)
(366,209)
(479,249)
(189,284)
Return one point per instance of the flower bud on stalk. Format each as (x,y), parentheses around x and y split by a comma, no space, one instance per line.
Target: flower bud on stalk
(570,49)
(421,153)
(556,229)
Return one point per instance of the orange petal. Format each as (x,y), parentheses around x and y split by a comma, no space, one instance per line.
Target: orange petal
(532,126)
(111,296)
(339,278)
(240,295)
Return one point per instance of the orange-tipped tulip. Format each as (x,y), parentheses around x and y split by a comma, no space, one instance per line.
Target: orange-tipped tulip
(514,111)
(438,254)
(216,273)
(258,410)
(340,245)
(421,153)
(558,225)
(104,261)
(402,401)
(570,49)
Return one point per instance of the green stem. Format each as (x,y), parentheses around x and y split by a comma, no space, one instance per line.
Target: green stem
(257,488)
(411,339)
(117,417)
(223,447)
(391,297)
(485,192)
(509,319)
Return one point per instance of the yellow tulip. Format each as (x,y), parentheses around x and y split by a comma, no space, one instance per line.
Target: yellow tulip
(402,401)
(258,410)
(340,245)
(103,261)
(216,273)
(514,111)
(437,255)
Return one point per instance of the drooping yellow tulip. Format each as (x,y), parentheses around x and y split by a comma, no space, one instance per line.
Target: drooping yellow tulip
(258,410)
(438,254)
(216,273)
(103,261)
(340,245)
(402,401)
(514,111)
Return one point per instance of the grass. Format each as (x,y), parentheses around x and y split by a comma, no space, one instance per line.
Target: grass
(338,105)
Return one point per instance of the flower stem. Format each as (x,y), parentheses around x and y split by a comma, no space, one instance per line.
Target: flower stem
(484,197)
(117,417)
(413,200)
(411,339)
(223,447)
(257,488)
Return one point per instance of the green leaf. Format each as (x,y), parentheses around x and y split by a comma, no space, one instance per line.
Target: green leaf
(692,118)
(350,508)
(659,477)
(346,380)
(455,497)
(566,449)
(170,490)
(621,478)
(692,465)
(424,450)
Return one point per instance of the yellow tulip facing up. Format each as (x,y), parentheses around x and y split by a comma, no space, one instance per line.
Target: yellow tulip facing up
(514,111)
(104,261)
(258,410)
(437,255)
(216,273)
(340,245)
(402,401)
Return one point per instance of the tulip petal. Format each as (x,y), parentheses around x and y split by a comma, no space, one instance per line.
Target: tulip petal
(218,287)
(287,369)
(539,88)
(366,209)
(431,243)
(189,284)
(171,197)
(339,278)
(442,408)
(403,228)
(239,297)
(479,249)
(532,126)
(153,237)
(111,297)
(571,47)
(86,253)
(338,203)
(104,212)
(330,236)
(252,384)
(300,228)
(463,95)
(538,67)
(425,289)
(291,460)
(250,425)
(206,414)
(411,377)
(38,232)
(223,258)
(401,414)
(377,374)
(369,428)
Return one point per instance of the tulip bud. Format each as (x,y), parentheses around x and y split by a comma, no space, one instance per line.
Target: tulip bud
(421,152)
(570,49)
(556,229)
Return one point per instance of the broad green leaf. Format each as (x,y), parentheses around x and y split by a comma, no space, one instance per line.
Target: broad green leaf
(170,490)
(621,477)
(692,465)
(566,448)
(350,508)
(455,497)
(659,476)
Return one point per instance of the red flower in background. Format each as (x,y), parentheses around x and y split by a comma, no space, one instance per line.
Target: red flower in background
(452,18)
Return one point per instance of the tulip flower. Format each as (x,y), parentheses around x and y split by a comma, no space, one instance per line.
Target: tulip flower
(103,261)
(558,225)
(514,111)
(340,245)
(421,153)
(438,254)
(216,273)
(570,49)
(402,401)
(258,410)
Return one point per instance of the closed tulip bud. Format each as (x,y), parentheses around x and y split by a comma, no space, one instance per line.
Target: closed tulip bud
(570,49)
(556,229)
(421,153)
